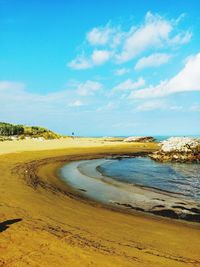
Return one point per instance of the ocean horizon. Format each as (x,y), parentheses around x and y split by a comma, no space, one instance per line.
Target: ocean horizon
(158,138)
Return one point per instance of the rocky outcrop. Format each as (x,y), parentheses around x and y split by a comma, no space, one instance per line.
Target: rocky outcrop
(180,144)
(144,139)
(178,149)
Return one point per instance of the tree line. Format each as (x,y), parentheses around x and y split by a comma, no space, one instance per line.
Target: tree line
(7,129)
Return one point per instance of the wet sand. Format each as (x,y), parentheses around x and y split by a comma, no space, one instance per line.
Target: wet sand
(85,179)
(43,223)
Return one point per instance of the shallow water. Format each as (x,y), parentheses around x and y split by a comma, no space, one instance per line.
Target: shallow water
(117,180)
(173,177)
(170,190)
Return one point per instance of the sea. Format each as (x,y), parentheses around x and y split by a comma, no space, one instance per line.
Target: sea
(179,178)
(138,183)
(158,138)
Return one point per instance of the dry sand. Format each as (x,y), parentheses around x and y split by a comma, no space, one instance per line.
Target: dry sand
(56,228)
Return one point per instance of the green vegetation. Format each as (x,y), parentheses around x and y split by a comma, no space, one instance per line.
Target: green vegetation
(8,130)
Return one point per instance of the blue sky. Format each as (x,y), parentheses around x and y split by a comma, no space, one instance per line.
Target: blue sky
(101,67)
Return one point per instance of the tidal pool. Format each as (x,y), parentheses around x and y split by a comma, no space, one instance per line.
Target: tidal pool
(178,178)
(167,189)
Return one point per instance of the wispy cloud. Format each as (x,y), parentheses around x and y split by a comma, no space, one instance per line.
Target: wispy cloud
(80,63)
(99,57)
(129,85)
(181,38)
(158,104)
(15,99)
(88,88)
(188,79)
(153,60)
(151,105)
(9,85)
(195,107)
(107,107)
(154,33)
(122,71)
(76,103)
(99,35)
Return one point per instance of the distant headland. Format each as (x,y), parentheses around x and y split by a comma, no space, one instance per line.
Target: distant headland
(10,131)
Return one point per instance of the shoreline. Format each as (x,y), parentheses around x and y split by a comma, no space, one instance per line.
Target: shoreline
(59,229)
(58,186)
(85,178)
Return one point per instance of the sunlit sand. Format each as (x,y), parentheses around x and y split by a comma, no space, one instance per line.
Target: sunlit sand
(48,225)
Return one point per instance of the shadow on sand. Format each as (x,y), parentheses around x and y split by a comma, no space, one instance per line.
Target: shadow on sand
(5,225)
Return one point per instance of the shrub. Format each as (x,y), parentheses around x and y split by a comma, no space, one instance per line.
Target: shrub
(8,129)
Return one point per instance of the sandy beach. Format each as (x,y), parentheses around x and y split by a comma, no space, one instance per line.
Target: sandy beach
(43,223)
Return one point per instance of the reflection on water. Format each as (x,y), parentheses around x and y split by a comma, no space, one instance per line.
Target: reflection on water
(111,181)
(174,177)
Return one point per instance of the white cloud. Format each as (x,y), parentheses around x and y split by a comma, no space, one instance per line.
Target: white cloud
(176,107)
(109,106)
(181,38)
(76,103)
(58,110)
(9,85)
(80,63)
(99,36)
(105,36)
(88,88)
(188,79)
(180,18)
(122,71)
(154,33)
(153,60)
(151,105)
(158,105)
(195,107)
(129,85)
(100,56)
(13,95)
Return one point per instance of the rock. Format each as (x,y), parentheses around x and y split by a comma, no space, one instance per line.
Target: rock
(178,149)
(144,139)
(181,144)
